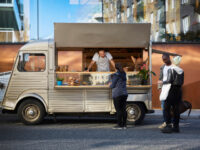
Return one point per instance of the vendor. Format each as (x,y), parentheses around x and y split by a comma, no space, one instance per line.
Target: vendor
(103,60)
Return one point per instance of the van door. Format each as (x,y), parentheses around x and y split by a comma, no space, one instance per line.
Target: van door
(29,76)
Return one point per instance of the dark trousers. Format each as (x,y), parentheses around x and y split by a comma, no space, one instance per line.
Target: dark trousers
(172,104)
(120,106)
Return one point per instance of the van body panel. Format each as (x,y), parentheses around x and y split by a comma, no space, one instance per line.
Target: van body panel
(26,82)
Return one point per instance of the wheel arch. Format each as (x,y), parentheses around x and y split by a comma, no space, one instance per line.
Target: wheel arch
(32,96)
(140,103)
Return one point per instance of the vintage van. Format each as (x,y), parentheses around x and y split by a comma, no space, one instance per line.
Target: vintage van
(33,91)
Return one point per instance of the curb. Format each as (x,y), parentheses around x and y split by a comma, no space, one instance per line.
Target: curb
(195,114)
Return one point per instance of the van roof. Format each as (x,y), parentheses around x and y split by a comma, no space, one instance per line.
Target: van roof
(37,45)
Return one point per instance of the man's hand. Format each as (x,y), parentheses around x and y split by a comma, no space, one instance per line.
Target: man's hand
(159,85)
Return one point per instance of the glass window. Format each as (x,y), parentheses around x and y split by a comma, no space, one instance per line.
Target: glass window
(166,5)
(199,18)
(5,1)
(158,14)
(173,3)
(156,36)
(128,12)
(184,1)
(168,28)
(174,27)
(111,7)
(29,62)
(185,24)
(151,18)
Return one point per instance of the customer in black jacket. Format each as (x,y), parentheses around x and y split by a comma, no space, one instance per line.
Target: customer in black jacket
(175,77)
(119,95)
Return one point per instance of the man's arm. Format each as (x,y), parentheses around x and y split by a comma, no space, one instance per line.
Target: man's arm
(112,63)
(169,77)
(161,73)
(90,65)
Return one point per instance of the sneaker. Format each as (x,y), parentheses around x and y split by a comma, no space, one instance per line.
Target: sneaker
(167,129)
(176,129)
(117,127)
(125,127)
(162,125)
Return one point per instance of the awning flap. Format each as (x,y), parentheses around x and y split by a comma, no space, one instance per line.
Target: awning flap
(91,35)
(163,52)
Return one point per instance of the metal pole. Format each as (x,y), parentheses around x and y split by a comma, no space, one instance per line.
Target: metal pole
(38,20)
(165,21)
(102,12)
(150,75)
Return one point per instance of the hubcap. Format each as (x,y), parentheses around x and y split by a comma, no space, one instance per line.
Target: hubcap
(133,113)
(31,112)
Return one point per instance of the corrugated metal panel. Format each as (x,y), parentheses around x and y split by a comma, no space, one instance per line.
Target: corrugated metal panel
(66,100)
(98,101)
(20,83)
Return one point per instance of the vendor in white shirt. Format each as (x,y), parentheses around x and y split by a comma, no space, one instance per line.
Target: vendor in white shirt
(103,60)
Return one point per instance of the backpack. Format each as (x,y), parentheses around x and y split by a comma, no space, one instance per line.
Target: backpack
(178,79)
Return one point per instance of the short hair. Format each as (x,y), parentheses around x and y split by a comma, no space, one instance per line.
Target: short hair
(101,49)
(166,55)
(119,67)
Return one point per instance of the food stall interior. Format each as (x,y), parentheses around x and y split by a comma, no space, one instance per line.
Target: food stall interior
(72,63)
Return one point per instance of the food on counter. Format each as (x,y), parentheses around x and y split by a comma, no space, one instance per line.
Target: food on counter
(73,81)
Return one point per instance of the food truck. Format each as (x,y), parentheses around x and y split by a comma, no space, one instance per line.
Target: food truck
(49,76)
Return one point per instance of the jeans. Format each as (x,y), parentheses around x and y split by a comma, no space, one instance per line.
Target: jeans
(163,110)
(120,106)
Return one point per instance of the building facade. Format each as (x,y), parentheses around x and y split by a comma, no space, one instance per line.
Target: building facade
(172,20)
(11,28)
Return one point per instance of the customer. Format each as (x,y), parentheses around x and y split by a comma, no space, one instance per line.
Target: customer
(165,88)
(119,95)
(175,78)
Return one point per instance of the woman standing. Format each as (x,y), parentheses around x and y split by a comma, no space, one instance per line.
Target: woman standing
(119,95)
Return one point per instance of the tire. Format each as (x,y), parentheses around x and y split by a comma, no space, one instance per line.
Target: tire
(31,112)
(135,113)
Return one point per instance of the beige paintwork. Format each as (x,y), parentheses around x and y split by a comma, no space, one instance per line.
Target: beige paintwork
(42,85)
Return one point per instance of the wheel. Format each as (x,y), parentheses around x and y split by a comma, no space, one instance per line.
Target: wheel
(31,112)
(135,113)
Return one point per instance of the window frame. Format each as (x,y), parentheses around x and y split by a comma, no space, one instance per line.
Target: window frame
(22,54)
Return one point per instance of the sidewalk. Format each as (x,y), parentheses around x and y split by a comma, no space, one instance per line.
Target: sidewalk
(195,114)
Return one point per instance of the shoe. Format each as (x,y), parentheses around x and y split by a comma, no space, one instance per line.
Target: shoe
(167,129)
(162,125)
(125,127)
(117,127)
(176,129)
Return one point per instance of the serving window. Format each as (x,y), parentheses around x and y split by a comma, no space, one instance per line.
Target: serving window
(72,63)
